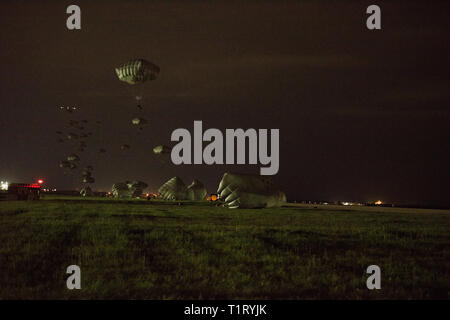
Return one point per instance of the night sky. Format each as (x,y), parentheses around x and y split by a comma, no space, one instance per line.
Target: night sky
(363,115)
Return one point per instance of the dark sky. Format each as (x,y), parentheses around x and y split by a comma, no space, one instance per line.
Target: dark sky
(363,115)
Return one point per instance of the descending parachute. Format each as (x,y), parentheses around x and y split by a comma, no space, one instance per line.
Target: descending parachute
(137,71)
(86,192)
(73,157)
(139,121)
(68,109)
(88,179)
(64,164)
(87,175)
(124,147)
(72,136)
(161,149)
(67,164)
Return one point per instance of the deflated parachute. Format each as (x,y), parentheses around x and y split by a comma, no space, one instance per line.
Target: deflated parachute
(196,191)
(128,189)
(174,189)
(249,191)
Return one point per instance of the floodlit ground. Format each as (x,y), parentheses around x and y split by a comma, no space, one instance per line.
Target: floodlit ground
(156,250)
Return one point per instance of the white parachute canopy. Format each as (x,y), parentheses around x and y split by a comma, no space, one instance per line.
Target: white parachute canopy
(174,189)
(196,191)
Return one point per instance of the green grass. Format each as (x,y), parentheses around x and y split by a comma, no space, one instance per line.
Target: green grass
(157,250)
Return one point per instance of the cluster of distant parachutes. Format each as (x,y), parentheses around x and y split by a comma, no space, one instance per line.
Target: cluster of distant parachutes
(133,72)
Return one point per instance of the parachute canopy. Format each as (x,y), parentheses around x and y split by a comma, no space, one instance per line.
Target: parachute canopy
(86,192)
(128,189)
(161,149)
(137,71)
(139,121)
(73,157)
(196,191)
(88,179)
(174,189)
(249,191)
(68,109)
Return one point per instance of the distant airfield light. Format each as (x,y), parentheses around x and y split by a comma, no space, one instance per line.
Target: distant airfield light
(4,185)
(40,181)
(213,197)
(378,202)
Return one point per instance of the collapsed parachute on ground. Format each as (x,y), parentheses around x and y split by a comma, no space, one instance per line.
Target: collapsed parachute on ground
(137,71)
(196,191)
(249,191)
(174,189)
(161,149)
(128,189)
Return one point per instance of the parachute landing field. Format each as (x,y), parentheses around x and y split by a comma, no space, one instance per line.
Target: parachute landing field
(138,249)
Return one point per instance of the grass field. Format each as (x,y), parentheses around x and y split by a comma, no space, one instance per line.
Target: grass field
(156,250)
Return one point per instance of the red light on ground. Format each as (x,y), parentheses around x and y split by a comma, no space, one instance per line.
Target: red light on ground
(40,181)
